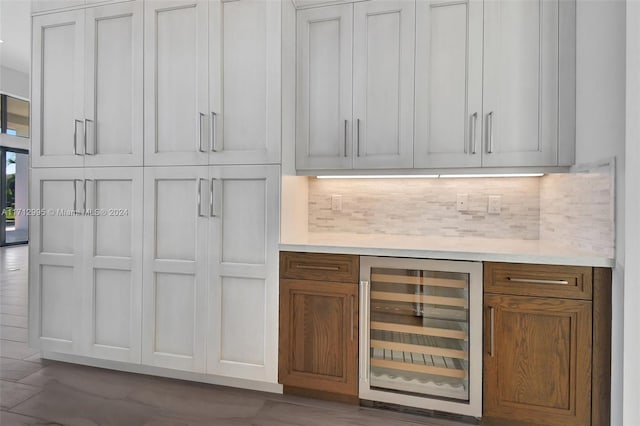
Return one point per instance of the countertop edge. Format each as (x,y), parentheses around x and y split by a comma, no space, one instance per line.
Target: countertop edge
(547,259)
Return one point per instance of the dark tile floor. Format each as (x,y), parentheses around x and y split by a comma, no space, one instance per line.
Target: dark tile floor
(40,392)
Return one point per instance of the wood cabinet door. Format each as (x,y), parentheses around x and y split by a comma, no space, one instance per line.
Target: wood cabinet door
(114,83)
(537,360)
(176,77)
(448,110)
(383,84)
(319,336)
(112,264)
(57,127)
(55,260)
(174,299)
(521,45)
(324,88)
(244,75)
(242,339)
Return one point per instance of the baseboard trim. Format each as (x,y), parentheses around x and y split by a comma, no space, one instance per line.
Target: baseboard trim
(165,372)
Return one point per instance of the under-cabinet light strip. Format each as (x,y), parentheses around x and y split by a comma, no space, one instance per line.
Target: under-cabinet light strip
(506,175)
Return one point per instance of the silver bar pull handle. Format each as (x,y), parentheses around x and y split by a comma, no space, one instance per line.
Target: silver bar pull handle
(213,132)
(474,122)
(364,326)
(490,131)
(212,205)
(200,197)
(75,195)
(358,137)
(200,128)
(492,316)
(75,136)
(86,126)
(345,138)
(318,267)
(352,314)
(537,281)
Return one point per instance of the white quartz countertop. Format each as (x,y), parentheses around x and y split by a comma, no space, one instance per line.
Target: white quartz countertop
(474,249)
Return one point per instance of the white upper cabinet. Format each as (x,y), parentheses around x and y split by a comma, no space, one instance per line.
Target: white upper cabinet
(448,108)
(383,89)
(521,83)
(212,75)
(324,91)
(176,82)
(244,76)
(87,87)
(57,127)
(355,86)
(113,95)
(436,84)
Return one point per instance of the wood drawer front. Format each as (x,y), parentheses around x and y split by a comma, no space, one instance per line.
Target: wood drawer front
(319,267)
(570,282)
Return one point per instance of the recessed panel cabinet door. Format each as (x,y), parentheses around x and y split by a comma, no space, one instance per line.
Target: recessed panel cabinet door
(55,260)
(448,110)
(324,91)
(383,87)
(113,93)
(57,126)
(521,83)
(242,336)
(537,360)
(244,77)
(176,82)
(175,268)
(112,282)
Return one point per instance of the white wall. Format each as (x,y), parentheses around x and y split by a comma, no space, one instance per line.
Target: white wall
(600,134)
(632,199)
(14,82)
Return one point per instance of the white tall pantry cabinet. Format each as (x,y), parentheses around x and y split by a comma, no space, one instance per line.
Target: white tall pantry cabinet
(158,123)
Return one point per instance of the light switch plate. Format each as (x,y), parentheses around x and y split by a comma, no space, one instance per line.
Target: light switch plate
(462,202)
(336,203)
(495,204)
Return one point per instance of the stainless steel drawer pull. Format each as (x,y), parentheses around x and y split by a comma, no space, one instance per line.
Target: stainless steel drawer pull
(318,267)
(345,138)
(213,130)
(200,129)
(358,139)
(75,136)
(490,125)
(537,281)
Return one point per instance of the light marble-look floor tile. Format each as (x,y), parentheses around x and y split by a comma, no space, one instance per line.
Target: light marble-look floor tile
(16,350)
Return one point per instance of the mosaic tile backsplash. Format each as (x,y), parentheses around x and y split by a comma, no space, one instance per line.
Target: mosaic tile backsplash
(558,207)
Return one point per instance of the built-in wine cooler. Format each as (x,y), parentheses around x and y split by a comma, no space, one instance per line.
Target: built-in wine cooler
(421,333)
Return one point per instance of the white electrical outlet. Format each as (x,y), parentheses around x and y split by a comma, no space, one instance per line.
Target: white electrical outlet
(462,202)
(336,203)
(494,206)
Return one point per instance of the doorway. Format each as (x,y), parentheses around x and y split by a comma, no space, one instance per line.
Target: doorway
(14,222)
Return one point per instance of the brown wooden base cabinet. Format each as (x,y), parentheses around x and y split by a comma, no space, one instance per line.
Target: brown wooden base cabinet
(546,344)
(319,325)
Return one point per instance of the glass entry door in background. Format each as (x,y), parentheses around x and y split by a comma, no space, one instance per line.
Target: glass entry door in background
(14,170)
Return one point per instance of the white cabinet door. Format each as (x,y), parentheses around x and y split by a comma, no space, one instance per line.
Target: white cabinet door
(114,83)
(324,88)
(176,82)
(57,127)
(243,276)
(521,83)
(245,84)
(55,260)
(112,264)
(383,86)
(448,108)
(175,267)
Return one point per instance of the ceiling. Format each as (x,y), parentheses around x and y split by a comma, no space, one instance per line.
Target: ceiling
(15,31)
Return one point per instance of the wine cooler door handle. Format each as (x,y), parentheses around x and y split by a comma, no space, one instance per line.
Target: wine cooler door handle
(364,333)
(351,316)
